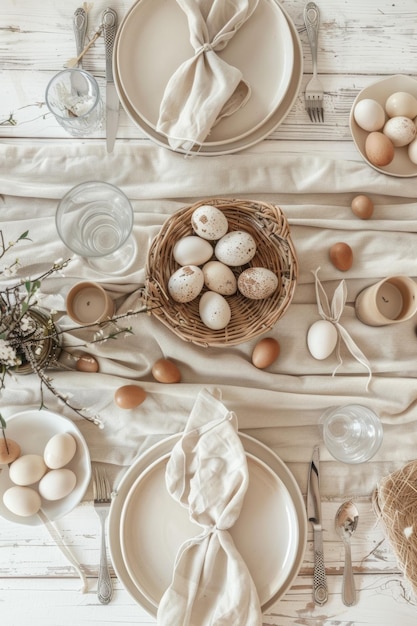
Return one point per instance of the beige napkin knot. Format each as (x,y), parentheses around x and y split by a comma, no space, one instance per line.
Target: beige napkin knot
(208,474)
(205,88)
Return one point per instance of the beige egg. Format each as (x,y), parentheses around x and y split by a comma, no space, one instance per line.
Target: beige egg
(412,151)
(401,103)
(59,450)
(265,352)
(220,278)
(129,396)
(165,371)
(341,256)
(22,501)
(192,250)
(57,484)
(215,312)
(401,130)
(27,469)
(86,363)
(257,283)
(9,450)
(236,248)
(379,149)
(186,283)
(209,222)
(362,206)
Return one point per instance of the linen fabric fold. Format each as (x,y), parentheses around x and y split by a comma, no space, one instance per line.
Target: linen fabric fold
(208,474)
(205,88)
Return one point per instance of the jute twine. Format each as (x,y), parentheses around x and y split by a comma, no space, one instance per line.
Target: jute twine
(395,503)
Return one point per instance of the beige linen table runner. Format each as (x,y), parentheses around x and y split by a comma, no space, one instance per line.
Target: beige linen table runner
(280,406)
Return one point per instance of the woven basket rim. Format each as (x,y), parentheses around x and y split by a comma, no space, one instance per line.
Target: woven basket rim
(250,318)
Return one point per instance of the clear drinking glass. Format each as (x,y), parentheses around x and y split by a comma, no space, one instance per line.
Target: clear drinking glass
(73,96)
(95,220)
(351,433)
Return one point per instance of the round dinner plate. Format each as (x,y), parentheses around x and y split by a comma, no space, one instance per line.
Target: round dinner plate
(253,137)
(32,430)
(154,40)
(154,526)
(401,165)
(259,454)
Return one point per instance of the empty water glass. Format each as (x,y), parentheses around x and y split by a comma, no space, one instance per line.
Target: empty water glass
(73,96)
(351,433)
(95,220)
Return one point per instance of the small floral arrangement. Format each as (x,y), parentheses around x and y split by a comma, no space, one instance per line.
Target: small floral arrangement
(30,341)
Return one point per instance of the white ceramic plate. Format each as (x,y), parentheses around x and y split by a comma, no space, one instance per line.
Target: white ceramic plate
(154,526)
(401,165)
(153,42)
(32,430)
(255,136)
(154,454)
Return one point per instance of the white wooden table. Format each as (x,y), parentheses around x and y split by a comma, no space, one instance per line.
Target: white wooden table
(359,43)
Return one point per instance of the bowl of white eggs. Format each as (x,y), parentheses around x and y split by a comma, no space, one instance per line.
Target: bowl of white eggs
(383,124)
(221,271)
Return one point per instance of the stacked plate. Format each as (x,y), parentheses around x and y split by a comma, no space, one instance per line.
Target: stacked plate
(147,526)
(153,41)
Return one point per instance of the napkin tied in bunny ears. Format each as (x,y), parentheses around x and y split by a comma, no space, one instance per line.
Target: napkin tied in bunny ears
(204,88)
(208,474)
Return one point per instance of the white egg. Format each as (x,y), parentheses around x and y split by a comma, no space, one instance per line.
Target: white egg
(186,283)
(59,450)
(257,283)
(57,484)
(401,130)
(27,469)
(321,339)
(235,248)
(412,151)
(369,114)
(220,278)
(209,222)
(214,310)
(192,250)
(401,103)
(22,501)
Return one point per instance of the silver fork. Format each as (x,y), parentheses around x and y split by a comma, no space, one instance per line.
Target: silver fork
(102,501)
(314,90)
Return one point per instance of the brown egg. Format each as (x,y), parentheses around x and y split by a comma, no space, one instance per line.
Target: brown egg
(129,396)
(86,363)
(379,149)
(165,371)
(362,206)
(265,352)
(9,450)
(341,256)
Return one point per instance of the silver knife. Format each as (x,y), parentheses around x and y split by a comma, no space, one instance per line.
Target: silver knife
(109,21)
(320,592)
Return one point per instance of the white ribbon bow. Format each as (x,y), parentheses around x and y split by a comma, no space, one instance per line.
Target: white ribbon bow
(332,314)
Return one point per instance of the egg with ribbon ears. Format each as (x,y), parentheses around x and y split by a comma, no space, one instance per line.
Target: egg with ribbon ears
(209,222)
(321,339)
(192,250)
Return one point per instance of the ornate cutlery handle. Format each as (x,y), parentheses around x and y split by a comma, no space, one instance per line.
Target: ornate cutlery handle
(104,584)
(109,28)
(312,22)
(79,22)
(349,591)
(320,592)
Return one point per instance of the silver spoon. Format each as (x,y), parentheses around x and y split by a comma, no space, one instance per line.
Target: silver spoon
(346,521)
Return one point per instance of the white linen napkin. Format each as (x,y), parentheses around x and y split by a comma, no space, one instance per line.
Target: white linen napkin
(204,88)
(208,473)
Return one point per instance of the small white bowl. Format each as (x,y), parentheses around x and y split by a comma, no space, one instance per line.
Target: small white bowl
(401,165)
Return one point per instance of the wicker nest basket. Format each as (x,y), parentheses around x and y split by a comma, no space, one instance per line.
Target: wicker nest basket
(250,318)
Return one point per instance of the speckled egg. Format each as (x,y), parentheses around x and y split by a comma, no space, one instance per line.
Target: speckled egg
(192,250)
(257,283)
(186,283)
(235,248)
(220,278)
(401,130)
(209,222)
(215,312)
